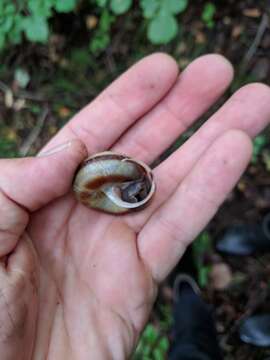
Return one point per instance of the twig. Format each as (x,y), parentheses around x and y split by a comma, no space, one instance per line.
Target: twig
(22,94)
(29,96)
(110,61)
(28,143)
(256,42)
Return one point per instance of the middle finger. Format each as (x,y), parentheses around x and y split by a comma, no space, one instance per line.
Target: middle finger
(196,89)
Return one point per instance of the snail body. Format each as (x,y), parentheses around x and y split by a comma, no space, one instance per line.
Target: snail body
(114,183)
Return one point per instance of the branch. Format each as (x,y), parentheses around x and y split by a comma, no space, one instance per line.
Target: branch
(256,42)
(32,137)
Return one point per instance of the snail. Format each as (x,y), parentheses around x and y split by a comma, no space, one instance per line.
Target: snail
(114,183)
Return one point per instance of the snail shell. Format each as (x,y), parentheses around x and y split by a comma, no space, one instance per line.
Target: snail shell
(114,183)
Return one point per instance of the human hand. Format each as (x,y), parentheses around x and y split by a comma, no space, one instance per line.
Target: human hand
(79,284)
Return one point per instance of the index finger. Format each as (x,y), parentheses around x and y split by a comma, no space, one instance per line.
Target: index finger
(128,98)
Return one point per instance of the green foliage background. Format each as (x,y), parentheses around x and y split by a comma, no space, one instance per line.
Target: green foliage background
(31,19)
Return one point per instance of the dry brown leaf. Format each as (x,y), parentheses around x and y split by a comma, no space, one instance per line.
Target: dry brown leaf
(221,276)
(237,31)
(200,37)
(91,22)
(19,104)
(63,112)
(252,12)
(9,99)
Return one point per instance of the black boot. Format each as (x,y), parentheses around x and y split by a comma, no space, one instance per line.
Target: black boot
(194,334)
(255,330)
(246,239)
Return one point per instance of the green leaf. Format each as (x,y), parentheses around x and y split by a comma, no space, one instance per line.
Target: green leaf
(176,6)
(119,7)
(150,333)
(259,143)
(65,6)
(36,29)
(2,40)
(99,42)
(40,7)
(105,21)
(158,354)
(202,246)
(6,24)
(101,3)
(22,77)
(7,148)
(162,28)
(208,14)
(15,35)
(164,344)
(203,275)
(9,9)
(149,7)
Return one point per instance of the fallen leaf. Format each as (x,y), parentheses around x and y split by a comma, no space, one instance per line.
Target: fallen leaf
(19,104)
(200,37)
(237,31)
(63,112)
(10,134)
(227,20)
(91,22)
(220,276)
(53,130)
(252,12)
(9,100)
(241,186)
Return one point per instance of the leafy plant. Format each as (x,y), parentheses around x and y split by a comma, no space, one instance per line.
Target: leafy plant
(162,23)
(152,345)
(8,147)
(201,246)
(208,14)
(29,17)
(119,7)
(258,145)
(101,38)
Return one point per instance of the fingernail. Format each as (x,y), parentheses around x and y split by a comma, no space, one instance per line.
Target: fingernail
(55,149)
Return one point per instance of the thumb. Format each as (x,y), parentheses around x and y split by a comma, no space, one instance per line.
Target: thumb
(35,181)
(27,184)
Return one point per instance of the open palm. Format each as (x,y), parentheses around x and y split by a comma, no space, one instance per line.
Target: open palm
(79,284)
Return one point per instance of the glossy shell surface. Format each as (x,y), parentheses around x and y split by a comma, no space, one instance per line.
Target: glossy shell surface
(114,183)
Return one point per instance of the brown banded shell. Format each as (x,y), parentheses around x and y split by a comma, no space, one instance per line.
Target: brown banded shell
(114,183)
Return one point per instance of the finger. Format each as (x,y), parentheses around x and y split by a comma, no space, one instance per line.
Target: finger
(247,110)
(196,89)
(34,182)
(128,98)
(168,232)
(29,183)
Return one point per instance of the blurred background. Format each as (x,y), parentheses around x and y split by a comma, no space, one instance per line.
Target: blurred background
(57,55)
